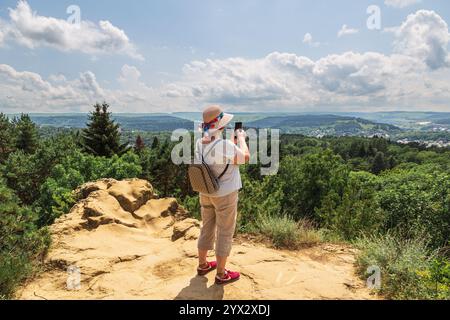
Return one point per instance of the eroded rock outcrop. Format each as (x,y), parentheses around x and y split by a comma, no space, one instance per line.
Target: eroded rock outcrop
(125,243)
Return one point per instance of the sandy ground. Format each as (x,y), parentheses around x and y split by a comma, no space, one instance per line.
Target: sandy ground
(125,244)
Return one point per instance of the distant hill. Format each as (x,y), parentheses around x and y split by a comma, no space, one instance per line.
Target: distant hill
(325,124)
(407,120)
(141,122)
(393,124)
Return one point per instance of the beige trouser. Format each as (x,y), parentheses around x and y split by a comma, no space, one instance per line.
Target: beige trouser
(218,215)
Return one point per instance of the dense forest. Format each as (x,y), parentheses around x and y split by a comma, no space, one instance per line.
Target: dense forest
(389,200)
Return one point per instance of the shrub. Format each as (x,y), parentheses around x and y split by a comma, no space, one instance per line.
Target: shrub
(309,180)
(402,264)
(437,278)
(309,235)
(56,192)
(283,231)
(416,203)
(286,232)
(359,211)
(21,242)
(192,204)
(258,198)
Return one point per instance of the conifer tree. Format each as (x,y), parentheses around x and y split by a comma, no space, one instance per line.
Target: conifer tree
(155,143)
(379,163)
(139,145)
(26,135)
(6,140)
(102,135)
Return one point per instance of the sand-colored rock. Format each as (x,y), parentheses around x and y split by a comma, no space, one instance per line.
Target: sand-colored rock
(131,194)
(86,189)
(128,245)
(156,208)
(181,228)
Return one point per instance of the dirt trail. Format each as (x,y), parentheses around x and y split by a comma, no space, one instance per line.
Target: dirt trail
(129,245)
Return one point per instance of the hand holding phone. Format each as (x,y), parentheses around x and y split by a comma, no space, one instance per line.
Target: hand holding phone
(238,131)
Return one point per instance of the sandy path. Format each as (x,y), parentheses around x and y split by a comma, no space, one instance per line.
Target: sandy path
(129,246)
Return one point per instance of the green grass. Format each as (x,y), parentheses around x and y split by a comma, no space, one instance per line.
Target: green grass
(287,233)
(406,267)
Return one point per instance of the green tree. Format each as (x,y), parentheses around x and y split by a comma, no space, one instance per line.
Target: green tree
(155,143)
(56,197)
(259,199)
(139,145)
(379,163)
(102,135)
(417,204)
(6,137)
(25,173)
(359,212)
(26,136)
(308,181)
(21,242)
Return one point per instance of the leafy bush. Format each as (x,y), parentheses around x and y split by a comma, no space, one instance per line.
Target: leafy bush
(403,264)
(258,199)
(21,242)
(283,231)
(56,196)
(417,203)
(286,232)
(25,173)
(438,278)
(309,180)
(359,211)
(192,205)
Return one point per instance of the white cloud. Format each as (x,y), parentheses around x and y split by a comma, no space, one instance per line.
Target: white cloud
(88,83)
(292,81)
(400,3)
(424,35)
(346,31)
(308,39)
(32,30)
(368,80)
(415,76)
(2,35)
(25,91)
(129,76)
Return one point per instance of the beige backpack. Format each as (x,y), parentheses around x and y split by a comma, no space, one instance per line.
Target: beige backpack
(202,178)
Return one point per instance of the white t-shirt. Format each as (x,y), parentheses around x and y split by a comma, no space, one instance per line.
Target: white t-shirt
(217,154)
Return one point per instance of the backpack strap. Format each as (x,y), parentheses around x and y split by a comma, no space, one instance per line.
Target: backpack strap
(212,147)
(224,171)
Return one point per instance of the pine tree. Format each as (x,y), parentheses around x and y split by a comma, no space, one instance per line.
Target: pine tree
(155,143)
(26,138)
(102,135)
(6,140)
(379,163)
(139,145)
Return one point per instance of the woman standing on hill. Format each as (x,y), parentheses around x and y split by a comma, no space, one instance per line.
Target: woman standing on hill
(219,210)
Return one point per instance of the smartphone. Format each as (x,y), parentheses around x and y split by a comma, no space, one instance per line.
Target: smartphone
(237,127)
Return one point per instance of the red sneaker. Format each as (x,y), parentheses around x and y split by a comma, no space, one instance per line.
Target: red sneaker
(203,271)
(229,277)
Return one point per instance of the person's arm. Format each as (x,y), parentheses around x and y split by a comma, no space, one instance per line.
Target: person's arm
(242,152)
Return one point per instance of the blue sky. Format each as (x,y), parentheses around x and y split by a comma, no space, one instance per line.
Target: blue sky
(180,55)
